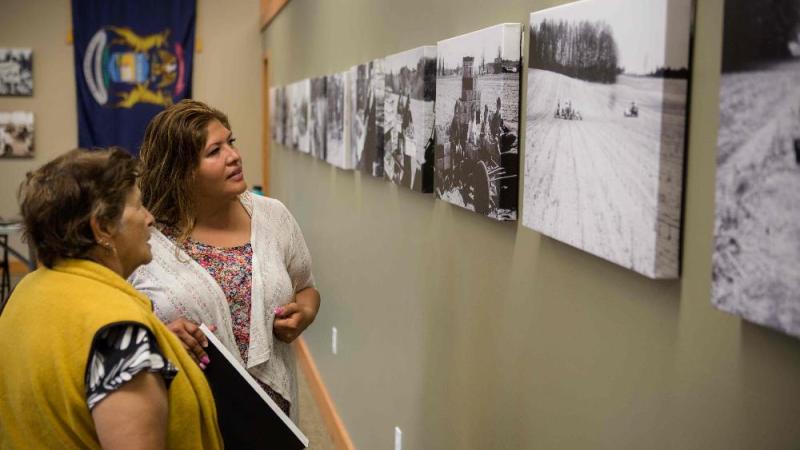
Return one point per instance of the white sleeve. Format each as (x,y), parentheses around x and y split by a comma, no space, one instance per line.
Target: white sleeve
(298,259)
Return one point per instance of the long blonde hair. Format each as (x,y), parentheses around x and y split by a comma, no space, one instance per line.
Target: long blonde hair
(170,154)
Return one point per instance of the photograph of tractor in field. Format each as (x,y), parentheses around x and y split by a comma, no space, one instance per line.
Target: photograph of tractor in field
(605,129)
(477,121)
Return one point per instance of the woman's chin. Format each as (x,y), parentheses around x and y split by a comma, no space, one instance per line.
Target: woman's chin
(239,187)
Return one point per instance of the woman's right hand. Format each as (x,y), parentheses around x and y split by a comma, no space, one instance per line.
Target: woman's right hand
(192,338)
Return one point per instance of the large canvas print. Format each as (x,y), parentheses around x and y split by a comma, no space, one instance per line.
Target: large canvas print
(277,104)
(16,134)
(366,113)
(756,260)
(337,125)
(357,101)
(317,117)
(298,96)
(477,121)
(410,81)
(606,118)
(16,71)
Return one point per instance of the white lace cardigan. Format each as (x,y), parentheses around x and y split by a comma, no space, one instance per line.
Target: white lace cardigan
(180,287)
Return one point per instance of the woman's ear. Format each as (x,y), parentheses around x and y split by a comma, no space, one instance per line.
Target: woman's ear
(102,233)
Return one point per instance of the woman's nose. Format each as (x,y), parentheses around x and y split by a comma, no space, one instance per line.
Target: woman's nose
(232,155)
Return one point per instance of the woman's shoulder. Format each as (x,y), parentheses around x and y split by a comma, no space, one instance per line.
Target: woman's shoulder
(263,202)
(269,207)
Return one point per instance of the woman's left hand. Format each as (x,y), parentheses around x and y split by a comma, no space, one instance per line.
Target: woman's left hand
(292,318)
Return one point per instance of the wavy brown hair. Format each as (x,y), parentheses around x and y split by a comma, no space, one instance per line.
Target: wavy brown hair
(59,199)
(170,154)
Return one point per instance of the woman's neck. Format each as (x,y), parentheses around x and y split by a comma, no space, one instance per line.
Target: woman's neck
(221,223)
(217,213)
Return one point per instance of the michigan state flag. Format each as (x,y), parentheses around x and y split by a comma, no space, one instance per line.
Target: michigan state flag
(133,58)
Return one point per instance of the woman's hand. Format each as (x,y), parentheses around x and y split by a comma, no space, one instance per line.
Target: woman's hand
(192,338)
(293,318)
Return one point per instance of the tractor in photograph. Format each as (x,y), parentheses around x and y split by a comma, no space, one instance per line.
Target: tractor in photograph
(632,111)
(567,112)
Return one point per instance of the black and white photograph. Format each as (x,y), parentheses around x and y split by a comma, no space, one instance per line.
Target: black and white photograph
(372,157)
(366,117)
(477,121)
(605,129)
(16,134)
(16,71)
(756,260)
(298,94)
(338,127)
(357,100)
(317,118)
(410,92)
(277,103)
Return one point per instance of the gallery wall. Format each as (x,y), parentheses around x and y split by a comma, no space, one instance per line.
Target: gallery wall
(227,73)
(472,334)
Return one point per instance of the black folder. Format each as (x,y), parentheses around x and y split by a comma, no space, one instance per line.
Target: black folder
(248,418)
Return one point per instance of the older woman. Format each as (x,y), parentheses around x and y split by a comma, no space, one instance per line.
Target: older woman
(221,255)
(86,363)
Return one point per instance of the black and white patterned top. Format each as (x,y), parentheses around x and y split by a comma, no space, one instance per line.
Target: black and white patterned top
(119,352)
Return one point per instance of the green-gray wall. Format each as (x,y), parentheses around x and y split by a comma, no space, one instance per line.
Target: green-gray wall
(471,334)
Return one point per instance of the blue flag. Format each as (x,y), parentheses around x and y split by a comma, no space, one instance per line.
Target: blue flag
(132,59)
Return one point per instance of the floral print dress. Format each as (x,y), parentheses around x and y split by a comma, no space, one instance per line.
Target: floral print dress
(232,268)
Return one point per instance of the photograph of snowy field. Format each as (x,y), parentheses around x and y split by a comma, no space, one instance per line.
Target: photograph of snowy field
(337,126)
(277,114)
(476,157)
(16,71)
(16,134)
(317,118)
(410,81)
(756,261)
(298,94)
(606,118)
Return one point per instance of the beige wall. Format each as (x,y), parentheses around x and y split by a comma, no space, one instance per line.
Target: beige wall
(227,74)
(470,334)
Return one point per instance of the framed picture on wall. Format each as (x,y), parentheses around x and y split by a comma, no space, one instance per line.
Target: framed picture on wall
(477,120)
(371,156)
(357,98)
(16,71)
(756,260)
(605,126)
(338,126)
(366,117)
(317,122)
(277,104)
(298,96)
(16,134)
(409,96)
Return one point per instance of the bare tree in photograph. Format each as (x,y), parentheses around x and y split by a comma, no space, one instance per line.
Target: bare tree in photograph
(584,50)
